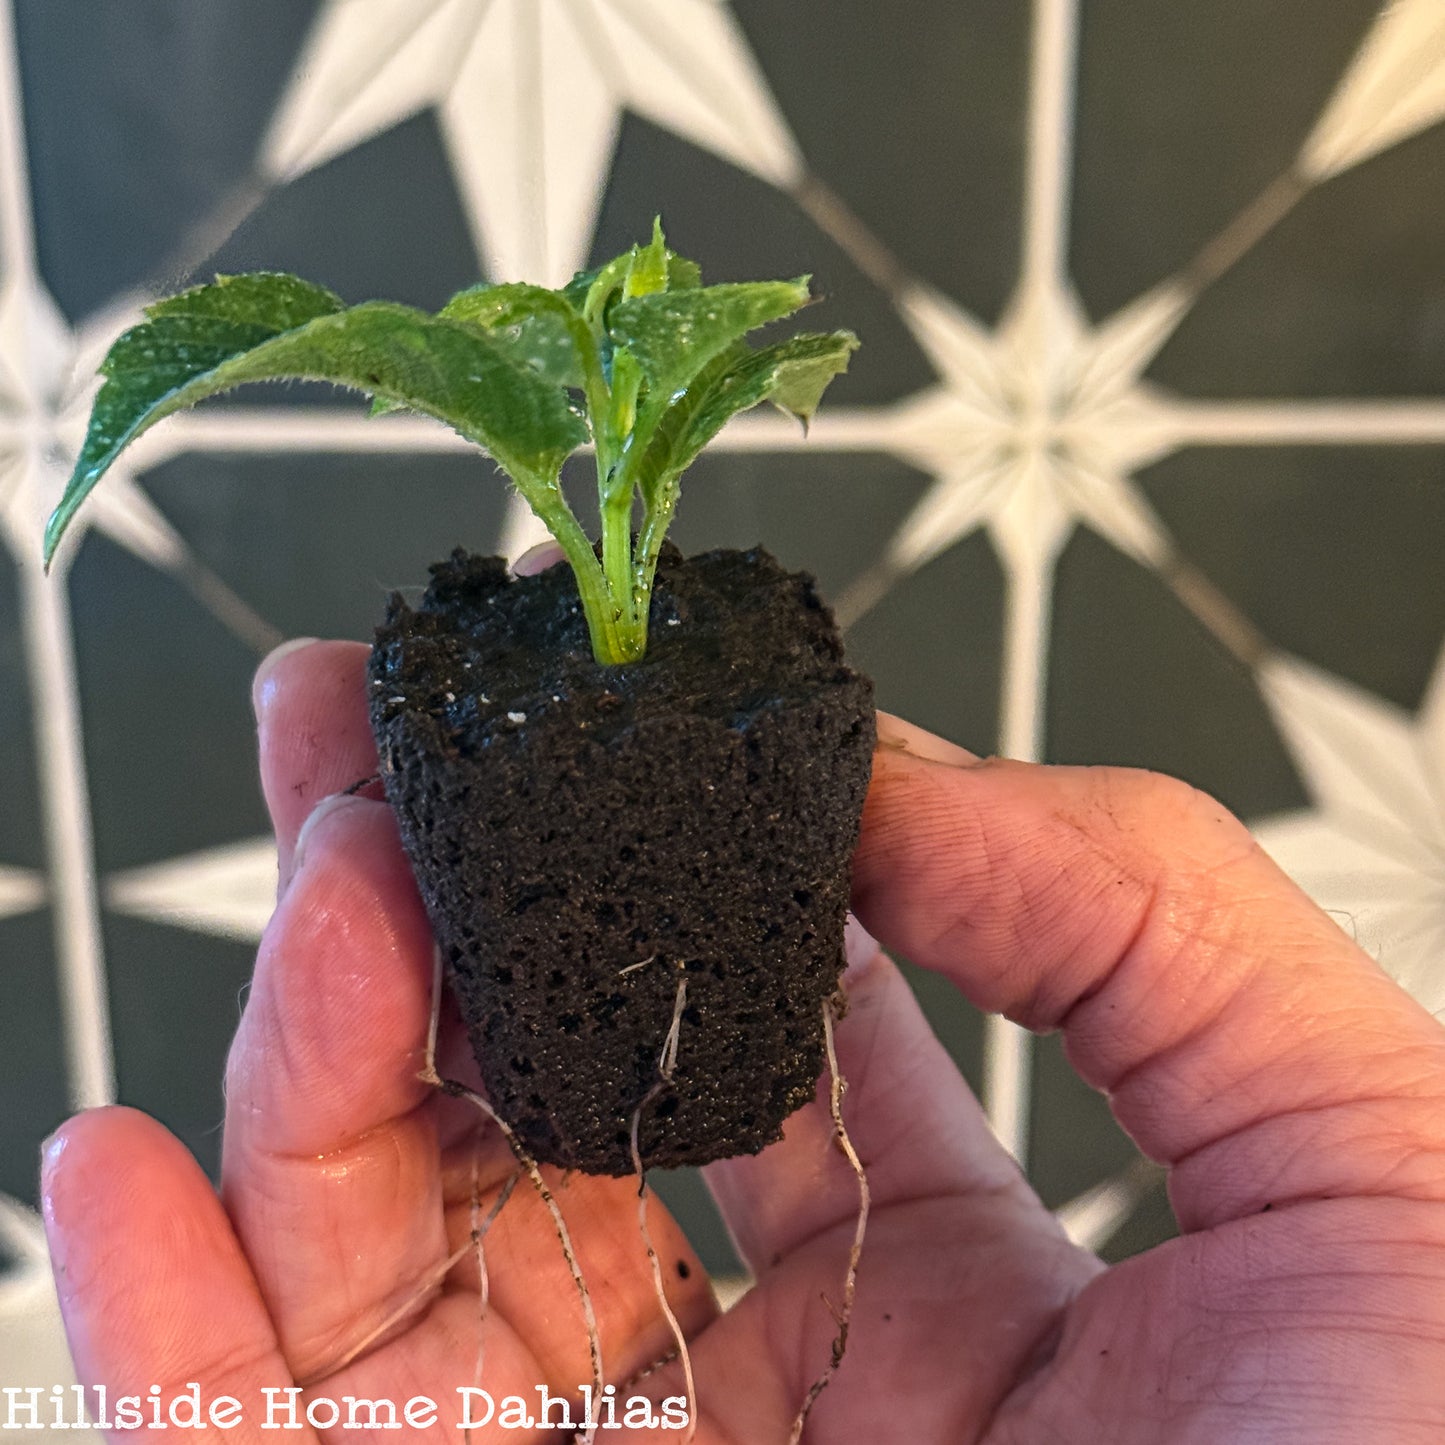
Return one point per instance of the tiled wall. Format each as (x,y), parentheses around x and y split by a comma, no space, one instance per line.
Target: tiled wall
(1141,460)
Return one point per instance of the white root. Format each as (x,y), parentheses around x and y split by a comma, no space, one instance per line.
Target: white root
(478,1234)
(417,1296)
(666,1066)
(419,1293)
(842,1314)
(454,1090)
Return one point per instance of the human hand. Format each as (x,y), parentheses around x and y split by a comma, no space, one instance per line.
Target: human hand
(1243,1040)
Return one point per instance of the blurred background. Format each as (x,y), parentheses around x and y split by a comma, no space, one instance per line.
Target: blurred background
(1141,460)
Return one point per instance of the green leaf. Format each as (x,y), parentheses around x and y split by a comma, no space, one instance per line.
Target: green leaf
(222,336)
(674,334)
(270,299)
(682,274)
(801,370)
(792,374)
(538,328)
(648,270)
(574,293)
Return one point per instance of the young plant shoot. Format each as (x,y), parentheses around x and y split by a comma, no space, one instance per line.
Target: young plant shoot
(638,358)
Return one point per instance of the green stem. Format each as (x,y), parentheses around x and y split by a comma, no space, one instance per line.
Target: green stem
(655,521)
(613,639)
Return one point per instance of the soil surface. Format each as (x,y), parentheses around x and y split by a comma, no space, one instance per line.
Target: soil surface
(585,837)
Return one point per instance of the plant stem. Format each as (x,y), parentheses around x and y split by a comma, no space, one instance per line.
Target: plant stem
(617,569)
(612,634)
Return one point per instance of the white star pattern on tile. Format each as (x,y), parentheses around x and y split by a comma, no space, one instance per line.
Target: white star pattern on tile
(229,891)
(1372,848)
(1394,89)
(32,1339)
(22,890)
(529,94)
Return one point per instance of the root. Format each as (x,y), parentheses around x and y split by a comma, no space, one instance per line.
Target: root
(843,1314)
(666,1066)
(354,1351)
(429,1073)
(359,784)
(423,1288)
(478,1233)
(454,1090)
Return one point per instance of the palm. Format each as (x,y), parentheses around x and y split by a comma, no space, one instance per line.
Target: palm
(1306,1168)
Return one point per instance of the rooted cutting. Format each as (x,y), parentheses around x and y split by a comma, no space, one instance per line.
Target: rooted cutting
(629,790)
(586,836)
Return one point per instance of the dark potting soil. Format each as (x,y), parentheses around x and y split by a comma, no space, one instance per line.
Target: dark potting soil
(586,836)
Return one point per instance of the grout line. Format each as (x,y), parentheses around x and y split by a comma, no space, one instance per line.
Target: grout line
(292,430)
(1008,1048)
(1407,422)
(1093,1218)
(1050,145)
(17,221)
(532,179)
(1243,232)
(55,702)
(328,429)
(50,665)
(837,220)
(1008,1055)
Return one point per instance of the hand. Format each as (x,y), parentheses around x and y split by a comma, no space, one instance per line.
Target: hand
(1294,1091)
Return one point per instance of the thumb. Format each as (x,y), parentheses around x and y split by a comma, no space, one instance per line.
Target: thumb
(1242,1038)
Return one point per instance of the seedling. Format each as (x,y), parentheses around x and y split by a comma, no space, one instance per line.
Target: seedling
(690,980)
(638,358)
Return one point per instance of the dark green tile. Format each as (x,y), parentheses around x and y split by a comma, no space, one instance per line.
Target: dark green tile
(142,120)
(1150,1224)
(917,121)
(316,543)
(165,693)
(1335,553)
(823,513)
(1185,113)
(1345,298)
(381,220)
(1134,679)
(1074,1142)
(932,645)
(739,228)
(690,1203)
(175,1001)
(34,1092)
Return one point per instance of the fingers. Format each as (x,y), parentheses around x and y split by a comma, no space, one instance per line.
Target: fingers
(332,1160)
(531,1284)
(537,559)
(330,1163)
(917,1128)
(153,1286)
(1242,1038)
(314,733)
(955,1232)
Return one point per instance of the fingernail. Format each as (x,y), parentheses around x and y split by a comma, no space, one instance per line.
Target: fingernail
(324,809)
(537,559)
(860,948)
(898,736)
(51,1148)
(51,1151)
(263,684)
